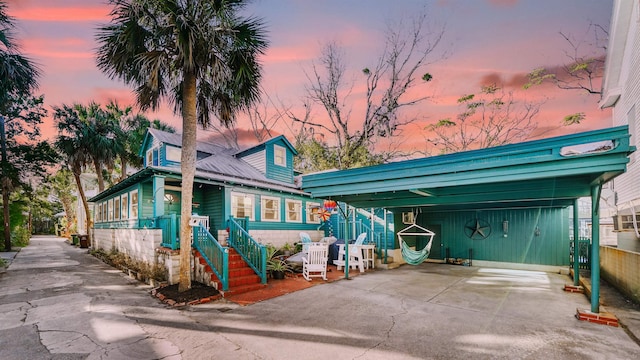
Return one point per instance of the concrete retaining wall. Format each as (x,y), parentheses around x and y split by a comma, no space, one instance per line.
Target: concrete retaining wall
(139,244)
(621,268)
(275,237)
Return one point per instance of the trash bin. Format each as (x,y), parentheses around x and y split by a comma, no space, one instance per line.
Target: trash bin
(74,239)
(84,241)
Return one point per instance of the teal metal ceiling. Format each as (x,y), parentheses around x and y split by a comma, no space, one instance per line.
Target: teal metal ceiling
(547,172)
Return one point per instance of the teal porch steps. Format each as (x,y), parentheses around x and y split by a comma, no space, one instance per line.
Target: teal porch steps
(241,277)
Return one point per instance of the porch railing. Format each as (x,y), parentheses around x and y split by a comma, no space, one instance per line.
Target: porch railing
(216,255)
(254,253)
(202,220)
(583,252)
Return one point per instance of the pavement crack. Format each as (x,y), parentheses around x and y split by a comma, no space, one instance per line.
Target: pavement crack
(443,290)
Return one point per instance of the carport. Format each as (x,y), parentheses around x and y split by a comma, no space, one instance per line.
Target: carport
(545,173)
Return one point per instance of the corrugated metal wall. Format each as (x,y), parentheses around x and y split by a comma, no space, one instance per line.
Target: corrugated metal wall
(522,244)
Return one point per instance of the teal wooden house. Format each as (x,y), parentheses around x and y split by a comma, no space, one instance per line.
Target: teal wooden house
(249,195)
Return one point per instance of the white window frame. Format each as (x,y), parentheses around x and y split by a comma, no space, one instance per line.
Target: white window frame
(133,211)
(110,209)
(279,160)
(150,157)
(234,209)
(298,210)
(263,208)
(173,153)
(312,218)
(124,206)
(117,208)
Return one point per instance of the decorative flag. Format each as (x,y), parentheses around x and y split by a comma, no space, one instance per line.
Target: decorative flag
(330,205)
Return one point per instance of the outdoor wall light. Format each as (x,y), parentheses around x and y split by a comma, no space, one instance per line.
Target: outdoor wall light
(505,227)
(536,232)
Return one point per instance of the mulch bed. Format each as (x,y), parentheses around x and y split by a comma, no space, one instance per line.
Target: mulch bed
(198,294)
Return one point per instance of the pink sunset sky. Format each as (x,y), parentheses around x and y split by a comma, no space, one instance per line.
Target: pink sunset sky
(486,41)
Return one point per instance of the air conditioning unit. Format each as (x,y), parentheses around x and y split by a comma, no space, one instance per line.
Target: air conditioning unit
(617,225)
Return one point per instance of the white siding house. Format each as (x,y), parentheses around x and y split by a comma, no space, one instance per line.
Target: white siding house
(621,91)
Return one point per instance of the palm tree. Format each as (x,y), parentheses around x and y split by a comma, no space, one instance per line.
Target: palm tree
(134,128)
(18,77)
(201,56)
(73,143)
(105,142)
(62,189)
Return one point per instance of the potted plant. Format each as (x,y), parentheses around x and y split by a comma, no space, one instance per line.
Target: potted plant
(275,264)
(287,249)
(278,268)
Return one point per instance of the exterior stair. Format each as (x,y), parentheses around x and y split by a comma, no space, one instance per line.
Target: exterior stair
(390,264)
(242,278)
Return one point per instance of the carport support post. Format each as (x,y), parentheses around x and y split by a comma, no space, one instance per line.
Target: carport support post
(346,242)
(576,249)
(595,248)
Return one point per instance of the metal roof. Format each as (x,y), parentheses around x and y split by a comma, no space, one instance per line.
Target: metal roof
(176,140)
(547,172)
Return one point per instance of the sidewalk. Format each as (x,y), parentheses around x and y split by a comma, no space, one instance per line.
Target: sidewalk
(59,302)
(8,256)
(611,300)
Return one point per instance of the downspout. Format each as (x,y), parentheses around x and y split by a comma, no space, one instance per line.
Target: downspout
(595,248)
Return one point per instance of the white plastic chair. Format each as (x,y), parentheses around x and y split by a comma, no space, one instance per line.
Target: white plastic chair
(314,262)
(355,254)
(305,240)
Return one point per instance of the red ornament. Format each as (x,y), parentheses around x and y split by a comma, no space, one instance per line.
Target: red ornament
(330,205)
(324,214)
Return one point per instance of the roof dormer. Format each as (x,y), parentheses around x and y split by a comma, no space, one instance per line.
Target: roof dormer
(274,158)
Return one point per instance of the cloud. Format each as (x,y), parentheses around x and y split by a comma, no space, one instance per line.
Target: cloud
(513,81)
(124,97)
(61,14)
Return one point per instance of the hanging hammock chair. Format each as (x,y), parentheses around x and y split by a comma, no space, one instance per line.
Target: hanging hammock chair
(415,257)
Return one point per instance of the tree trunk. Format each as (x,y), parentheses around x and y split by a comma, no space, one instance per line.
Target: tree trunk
(96,165)
(123,162)
(188,166)
(85,204)
(67,206)
(5,189)
(5,214)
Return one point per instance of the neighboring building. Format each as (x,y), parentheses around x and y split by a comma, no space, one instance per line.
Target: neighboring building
(621,91)
(141,214)
(89,184)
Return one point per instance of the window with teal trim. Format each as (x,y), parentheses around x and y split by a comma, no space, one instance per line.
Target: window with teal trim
(279,155)
(173,153)
(116,208)
(125,206)
(312,213)
(133,196)
(294,210)
(242,205)
(110,209)
(270,208)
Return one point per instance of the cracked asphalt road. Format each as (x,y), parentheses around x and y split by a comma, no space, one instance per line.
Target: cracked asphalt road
(59,302)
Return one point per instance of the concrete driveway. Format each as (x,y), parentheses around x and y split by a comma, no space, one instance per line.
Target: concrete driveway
(58,302)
